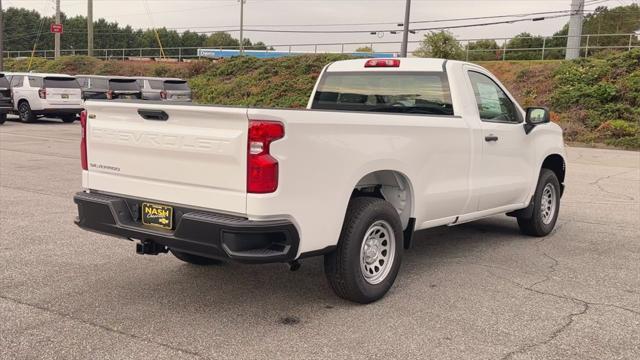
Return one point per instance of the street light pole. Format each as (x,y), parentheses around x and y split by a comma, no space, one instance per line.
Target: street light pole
(57,35)
(241,27)
(574,39)
(405,33)
(90,28)
(1,38)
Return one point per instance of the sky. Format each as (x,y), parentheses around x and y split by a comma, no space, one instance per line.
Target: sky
(210,15)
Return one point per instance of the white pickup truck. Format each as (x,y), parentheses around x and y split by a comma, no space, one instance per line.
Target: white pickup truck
(386,147)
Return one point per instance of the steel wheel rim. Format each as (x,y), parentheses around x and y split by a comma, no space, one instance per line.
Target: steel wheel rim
(548,204)
(377,252)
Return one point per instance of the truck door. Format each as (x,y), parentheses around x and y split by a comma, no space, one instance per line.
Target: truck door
(504,173)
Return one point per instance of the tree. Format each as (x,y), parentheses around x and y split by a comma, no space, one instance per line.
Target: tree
(222,39)
(24,28)
(520,43)
(440,45)
(483,50)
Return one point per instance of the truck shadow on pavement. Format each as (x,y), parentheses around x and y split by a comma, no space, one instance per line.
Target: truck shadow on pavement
(254,292)
(40,121)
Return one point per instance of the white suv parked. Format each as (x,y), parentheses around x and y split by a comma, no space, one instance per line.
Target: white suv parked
(52,95)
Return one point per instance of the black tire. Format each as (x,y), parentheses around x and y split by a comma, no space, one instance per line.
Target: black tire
(3,118)
(195,259)
(26,115)
(343,266)
(68,118)
(536,226)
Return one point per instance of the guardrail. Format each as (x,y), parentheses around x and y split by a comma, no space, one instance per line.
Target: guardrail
(550,48)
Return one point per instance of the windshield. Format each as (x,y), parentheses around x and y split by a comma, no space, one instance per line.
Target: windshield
(416,92)
(176,85)
(61,83)
(124,85)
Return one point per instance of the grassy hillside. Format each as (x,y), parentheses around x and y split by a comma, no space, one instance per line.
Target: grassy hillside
(596,101)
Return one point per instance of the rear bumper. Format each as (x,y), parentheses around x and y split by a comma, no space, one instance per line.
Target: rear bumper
(206,234)
(59,111)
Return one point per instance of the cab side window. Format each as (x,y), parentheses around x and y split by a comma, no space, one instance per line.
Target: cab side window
(16,81)
(35,82)
(493,103)
(156,84)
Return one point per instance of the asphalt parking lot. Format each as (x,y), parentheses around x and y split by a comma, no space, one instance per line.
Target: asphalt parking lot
(477,291)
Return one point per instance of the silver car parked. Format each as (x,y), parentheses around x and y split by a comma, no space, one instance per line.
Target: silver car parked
(164,89)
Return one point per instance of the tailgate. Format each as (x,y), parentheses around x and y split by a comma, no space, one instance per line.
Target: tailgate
(71,97)
(62,91)
(195,157)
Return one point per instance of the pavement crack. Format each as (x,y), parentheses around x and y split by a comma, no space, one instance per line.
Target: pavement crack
(599,186)
(554,334)
(41,154)
(103,327)
(585,305)
(34,192)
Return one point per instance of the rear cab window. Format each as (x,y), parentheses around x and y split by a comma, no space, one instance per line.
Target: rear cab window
(98,83)
(124,85)
(61,83)
(176,85)
(395,92)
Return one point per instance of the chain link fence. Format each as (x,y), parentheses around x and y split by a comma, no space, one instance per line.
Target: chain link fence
(517,48)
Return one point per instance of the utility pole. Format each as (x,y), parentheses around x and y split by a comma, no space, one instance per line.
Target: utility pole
(57,35)
(90,28)
(242,26)
(574,38)
(405,33)
(1,38)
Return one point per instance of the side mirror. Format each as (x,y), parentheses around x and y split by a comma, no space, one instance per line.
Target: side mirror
(536,116)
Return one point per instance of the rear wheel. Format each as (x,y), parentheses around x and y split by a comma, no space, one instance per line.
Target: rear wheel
(194,259)
(68,118)
(367,259)
(3,118)
(26,115)
(546,205)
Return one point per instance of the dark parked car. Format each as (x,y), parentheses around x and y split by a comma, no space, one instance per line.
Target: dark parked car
(164,89)
(108,87)
(5,98)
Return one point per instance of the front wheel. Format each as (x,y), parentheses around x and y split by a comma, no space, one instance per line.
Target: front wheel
(367,259)
(546,206)
(3,118)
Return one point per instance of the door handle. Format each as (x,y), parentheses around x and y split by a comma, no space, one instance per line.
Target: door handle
(490,138)
(157,115)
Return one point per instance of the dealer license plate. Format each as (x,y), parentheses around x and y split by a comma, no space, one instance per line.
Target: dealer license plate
(157,215)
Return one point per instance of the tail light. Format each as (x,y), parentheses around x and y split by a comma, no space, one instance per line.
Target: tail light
(262,168)
(163,95)
(83,142)
(382,63)
(42,93)
(110,95)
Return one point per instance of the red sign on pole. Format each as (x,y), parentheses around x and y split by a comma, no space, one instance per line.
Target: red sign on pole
(57,28)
